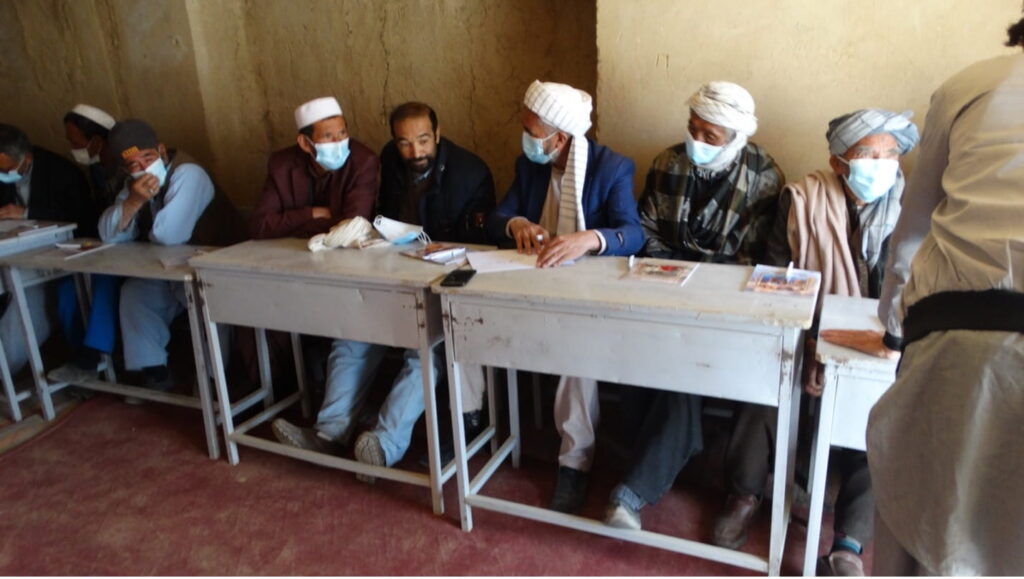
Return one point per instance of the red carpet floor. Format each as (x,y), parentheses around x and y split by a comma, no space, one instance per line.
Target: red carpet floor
(123,490)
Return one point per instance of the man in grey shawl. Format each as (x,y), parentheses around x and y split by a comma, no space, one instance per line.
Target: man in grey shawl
(836,221)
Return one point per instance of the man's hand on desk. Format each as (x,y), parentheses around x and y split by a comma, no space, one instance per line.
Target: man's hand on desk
(567,248)
(530,237)
(867,341)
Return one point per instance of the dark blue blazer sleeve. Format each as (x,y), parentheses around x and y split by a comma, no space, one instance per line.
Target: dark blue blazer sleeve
(620,225)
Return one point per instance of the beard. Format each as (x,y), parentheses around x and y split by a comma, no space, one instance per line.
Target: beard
(420,165)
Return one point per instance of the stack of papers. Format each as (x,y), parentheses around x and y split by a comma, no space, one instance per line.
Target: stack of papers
(80,247)
(500,260)
(440,253)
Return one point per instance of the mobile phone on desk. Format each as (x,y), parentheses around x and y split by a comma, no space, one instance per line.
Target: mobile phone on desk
(458,277)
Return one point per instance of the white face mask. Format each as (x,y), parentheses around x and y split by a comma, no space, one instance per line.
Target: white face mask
(156,169)
(398,232)
(82,157)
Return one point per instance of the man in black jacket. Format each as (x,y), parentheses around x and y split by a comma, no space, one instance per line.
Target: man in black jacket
(430,181)
(36,184)
(425,180)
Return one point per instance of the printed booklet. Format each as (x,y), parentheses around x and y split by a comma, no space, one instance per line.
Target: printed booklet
(661,271)
(785,280)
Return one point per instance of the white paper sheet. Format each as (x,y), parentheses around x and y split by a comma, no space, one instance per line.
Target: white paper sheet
(500,260)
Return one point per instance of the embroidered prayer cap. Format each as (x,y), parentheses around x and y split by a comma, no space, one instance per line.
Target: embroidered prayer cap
(843,132)
(725,104)
(316,110)
(130,136)
(560,105)
(95,115)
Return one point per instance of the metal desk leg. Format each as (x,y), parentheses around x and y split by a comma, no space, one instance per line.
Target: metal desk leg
(202,379)
(819,468)
(220,380)
(785,452)
(263,357)
(492,406)
(13,406)
(12,277)
(458,434)
(430,416)
(513,416)
(300,375)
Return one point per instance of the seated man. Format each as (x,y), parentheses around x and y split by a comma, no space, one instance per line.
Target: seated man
(87,129)
(711,198)
(836,221)
(570,197)
(322,179)
(425,180)
(35,184)
(168,200)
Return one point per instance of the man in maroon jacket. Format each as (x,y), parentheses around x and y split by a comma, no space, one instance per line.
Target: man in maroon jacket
(325,178)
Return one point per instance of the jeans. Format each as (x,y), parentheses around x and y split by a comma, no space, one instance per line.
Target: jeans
(351,368)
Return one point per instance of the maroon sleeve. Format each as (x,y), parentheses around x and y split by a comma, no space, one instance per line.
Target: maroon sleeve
(273,217)
(361,192)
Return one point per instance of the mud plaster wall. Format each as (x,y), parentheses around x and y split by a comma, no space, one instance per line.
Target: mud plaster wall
(804,61)
(220,78)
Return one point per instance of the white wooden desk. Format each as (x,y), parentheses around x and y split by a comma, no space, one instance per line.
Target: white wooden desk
(374,295)
(854,381)
(707,337)
(11,246)
(140,260)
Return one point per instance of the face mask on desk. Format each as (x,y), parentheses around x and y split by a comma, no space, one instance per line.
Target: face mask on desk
(398,232)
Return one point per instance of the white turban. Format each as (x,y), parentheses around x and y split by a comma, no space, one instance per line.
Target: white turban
(316,110)
(566,109)
(728,105)
(95,115)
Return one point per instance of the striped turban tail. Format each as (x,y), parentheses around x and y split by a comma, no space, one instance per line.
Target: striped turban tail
(566,109)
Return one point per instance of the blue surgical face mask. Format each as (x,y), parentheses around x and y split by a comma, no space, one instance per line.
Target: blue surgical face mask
(13,176)
(870,179)
(156,169)
(699,152)
(332,156)
(533,148)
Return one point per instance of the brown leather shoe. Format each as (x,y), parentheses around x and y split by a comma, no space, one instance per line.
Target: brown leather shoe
(732,522)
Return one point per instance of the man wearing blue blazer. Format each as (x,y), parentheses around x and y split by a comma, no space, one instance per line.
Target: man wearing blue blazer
(570,197)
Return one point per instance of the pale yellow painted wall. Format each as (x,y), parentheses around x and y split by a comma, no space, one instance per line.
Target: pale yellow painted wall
(804,61)
(220,78)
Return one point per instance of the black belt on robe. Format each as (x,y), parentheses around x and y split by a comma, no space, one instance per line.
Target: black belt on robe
(991,310)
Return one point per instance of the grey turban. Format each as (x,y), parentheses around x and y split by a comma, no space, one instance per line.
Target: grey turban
(843,132)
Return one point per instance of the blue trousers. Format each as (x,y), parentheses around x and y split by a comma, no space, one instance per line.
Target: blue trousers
(351,368)
(100,333)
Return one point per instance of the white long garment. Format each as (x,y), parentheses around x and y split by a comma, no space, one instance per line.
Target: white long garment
(946,442)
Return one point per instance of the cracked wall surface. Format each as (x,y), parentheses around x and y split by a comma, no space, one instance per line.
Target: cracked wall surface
(221,78)
(804,61)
